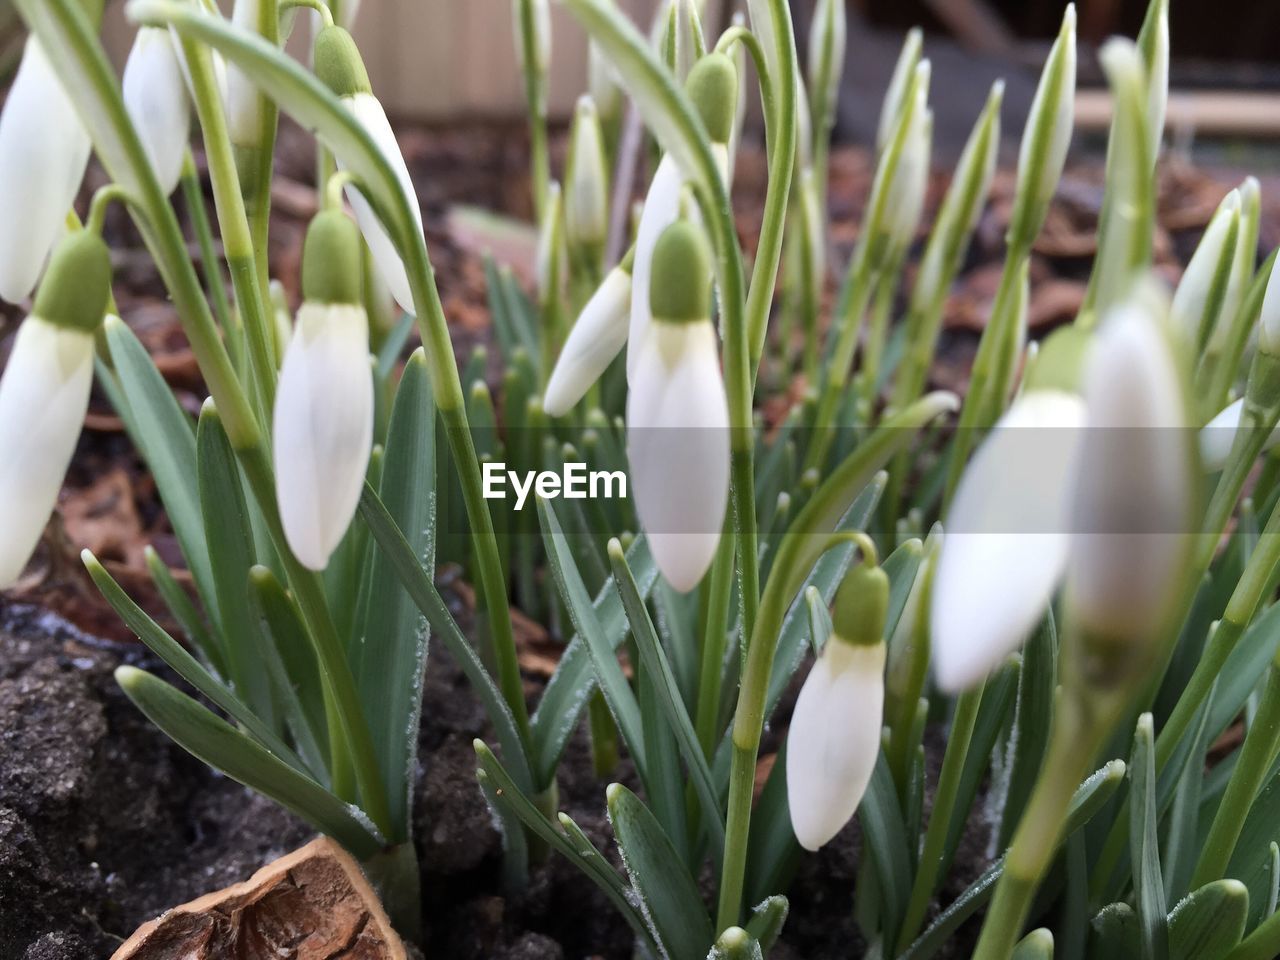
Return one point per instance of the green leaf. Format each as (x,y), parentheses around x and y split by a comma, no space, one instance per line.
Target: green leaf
(181,662)
(1182,836)
(566,693)
(1144,844)
(1036,945)
(390,656)
(230,542)
(217,743)
(183,610)
(1032,715)
(164,435)
(1089,798)
(409,571)
(1208,924)
(668,894)
(820,625)
(1114,933)
(767,920)
(653,661)
(885,836)
(1251,861)
(515,846)
(773,853)
(1247,662)
(572,844)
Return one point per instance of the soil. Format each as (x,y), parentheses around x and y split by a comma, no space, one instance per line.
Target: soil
(105,824)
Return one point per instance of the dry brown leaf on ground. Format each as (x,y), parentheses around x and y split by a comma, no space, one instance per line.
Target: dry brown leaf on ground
(312,904)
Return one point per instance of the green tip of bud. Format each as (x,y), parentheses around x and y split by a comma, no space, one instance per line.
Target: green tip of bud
(862,605)
(713,87)
(332,265)
(1060,363)
(680,290)
(338,63)
(77,285)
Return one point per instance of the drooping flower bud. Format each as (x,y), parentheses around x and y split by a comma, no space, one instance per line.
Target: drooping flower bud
(339,66)
(597,337)
(1007,532)
(1136,500)
(44,393)
(834,737)
(323,420)
(155,95)
(678,415)
(586,201)
(44,149)
(1047,136)
(1197,303)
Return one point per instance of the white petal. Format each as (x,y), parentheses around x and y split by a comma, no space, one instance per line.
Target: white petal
(661,209)
(43,153)
(1269,323)
(1007,537)
(1133,504)
(1220,433)
(1192,296)
(368,110)
(244,103)
(597,336)
(678,447)
(43,397)
(834,740)
(155,95)
(323,428)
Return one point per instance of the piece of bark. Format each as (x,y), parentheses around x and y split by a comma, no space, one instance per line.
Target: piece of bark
(312,904)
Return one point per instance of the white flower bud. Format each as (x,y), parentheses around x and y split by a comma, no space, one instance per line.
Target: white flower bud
(323,428)
(1007,537)
(1269,322)
(834,739)
(1219,434)
(155,96)
(244,101)
(911,179)
(597,337)
(902,71)
(44,394)
(602,82)
(1135,497)
(827,40)
(1153,41)
(1197,304)
(44,150)
(586,202)
(540,23)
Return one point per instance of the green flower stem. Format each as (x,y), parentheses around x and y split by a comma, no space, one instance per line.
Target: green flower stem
(1079,730)
(1246,779)
(255,163)
(877,336)
(935,838)
(535,83)
(194,199)
(233,223)
(801,547)
(983,401)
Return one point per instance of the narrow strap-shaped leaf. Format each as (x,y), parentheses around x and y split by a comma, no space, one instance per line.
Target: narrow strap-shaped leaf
(182,663)
(183,610)
(1032,716)
(773,853)
(1144,844)
(609,675)
(767,920)
(663,781)
(668,894)
(166,438)
(885,836)
(654,661)
(222,746)
(1209,923)
(390,656)
(1115,933)
(230,541)
(567,692)
(573,844)
(416,581)
(1036,945)
(515,847)
(1090,797)
(1182,832)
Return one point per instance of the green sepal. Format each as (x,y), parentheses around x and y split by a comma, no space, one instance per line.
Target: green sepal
(680,291)
(862,605)
(332,263)
(1060,363)
(713,87)
(1036,945)
(77,285)
(338,63)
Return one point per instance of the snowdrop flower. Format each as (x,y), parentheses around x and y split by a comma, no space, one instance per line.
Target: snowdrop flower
(586,198)
(44,149)
(1219,434)
(323,423)
(338,65)
(1136,490)
(244,100)
(1047,136)
(597,336)
(903,70)
(1197,303)
(1153,41)
(911,177)
(1008,529)
(826,55)
(155,94)
(834,737)
(712,85)
(44,394)
(678,415)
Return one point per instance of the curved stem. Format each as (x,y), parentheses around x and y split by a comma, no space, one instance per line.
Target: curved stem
(103,197)
(319,6)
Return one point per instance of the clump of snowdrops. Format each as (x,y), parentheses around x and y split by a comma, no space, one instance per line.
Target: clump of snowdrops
(1074,580)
